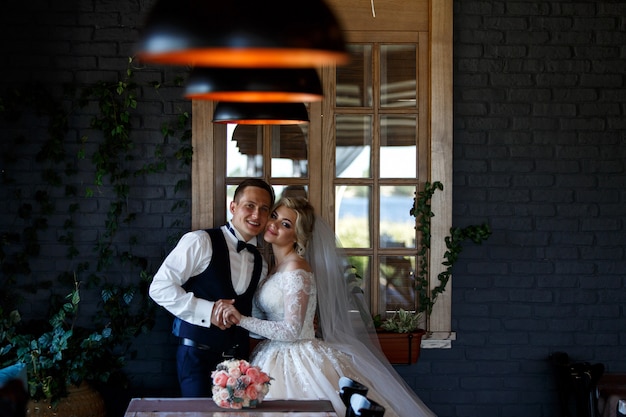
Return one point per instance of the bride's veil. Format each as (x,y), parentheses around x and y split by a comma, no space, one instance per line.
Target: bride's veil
(345,322)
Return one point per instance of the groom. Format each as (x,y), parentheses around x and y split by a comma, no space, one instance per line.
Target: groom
(207,271)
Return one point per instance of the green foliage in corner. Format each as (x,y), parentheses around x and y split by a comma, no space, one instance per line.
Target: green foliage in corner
(69,347)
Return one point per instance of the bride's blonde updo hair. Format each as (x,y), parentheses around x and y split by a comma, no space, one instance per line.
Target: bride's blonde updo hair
(305,220)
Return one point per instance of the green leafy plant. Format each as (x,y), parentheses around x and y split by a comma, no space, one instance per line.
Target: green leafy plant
(426,297)
(454,246)
(114,279)
(58,353)
(402,321)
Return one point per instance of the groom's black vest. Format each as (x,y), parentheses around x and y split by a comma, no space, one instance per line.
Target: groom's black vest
(213,284)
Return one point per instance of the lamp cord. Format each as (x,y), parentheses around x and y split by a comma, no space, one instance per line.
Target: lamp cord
(373,11)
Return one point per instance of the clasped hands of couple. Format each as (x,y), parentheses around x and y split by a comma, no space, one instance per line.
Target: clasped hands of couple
(225,314)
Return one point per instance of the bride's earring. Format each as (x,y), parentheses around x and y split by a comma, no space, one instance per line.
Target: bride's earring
(299,249)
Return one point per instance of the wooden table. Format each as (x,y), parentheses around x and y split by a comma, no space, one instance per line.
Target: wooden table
(205,407)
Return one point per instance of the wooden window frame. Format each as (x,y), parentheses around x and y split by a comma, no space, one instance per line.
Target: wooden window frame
(208,191)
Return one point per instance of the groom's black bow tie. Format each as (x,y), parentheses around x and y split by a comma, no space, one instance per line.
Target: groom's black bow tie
(241,245)
(258,259)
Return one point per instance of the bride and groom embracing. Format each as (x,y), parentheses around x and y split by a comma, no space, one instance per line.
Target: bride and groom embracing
(312,325)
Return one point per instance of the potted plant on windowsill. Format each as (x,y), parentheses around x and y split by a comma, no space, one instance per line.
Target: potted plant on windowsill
(400,334)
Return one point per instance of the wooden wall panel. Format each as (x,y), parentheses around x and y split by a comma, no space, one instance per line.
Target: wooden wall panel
(391,15)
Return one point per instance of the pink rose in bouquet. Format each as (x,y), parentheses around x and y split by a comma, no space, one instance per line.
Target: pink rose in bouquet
(237,384)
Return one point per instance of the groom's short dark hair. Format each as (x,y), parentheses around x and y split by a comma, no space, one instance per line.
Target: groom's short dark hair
(255,182)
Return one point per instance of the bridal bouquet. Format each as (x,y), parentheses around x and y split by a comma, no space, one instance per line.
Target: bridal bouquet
(237,384)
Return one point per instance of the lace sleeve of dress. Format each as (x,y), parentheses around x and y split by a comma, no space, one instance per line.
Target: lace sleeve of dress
(296,292)
(257,311)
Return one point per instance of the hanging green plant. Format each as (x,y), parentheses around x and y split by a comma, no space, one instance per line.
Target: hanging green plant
(426,297)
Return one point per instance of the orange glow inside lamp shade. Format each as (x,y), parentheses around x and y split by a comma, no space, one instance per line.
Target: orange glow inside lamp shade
(242,33)
(260,113)
(254,85)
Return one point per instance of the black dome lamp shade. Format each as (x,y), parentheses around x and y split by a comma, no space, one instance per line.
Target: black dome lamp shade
(242,33)
(254,85)
(260,113)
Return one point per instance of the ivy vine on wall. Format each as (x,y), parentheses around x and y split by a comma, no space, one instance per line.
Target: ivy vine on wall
(422,212)
(111,265)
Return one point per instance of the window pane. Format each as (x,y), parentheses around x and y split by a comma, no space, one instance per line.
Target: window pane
(244,153)
(358,272)
(290,191)
(398,149)
(397,278)
(354,80)
(398,76)
(353,205)
(397,226)
(354,143)
(359,275)
(289,151)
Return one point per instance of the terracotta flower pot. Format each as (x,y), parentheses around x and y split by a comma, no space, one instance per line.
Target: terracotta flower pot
(401,348)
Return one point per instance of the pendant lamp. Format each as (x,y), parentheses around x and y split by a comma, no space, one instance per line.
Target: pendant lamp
(254,85)
(242,33)
(260,113)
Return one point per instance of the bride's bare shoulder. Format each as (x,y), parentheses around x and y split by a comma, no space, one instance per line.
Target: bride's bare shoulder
(298,264)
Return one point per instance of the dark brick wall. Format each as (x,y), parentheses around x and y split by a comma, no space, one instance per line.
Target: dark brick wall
(81,43)
(539,151)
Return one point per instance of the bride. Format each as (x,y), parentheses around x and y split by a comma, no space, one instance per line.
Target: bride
(284,311)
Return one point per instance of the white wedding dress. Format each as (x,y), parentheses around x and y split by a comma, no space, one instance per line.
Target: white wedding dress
(304,367)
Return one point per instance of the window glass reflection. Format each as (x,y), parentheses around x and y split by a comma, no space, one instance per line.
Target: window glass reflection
(352,217)
(290,191)
(398,76)
(354,143)
(397,226)
(398,149)
(290,151)
(244,152)
(358,274)
(354,80)
(397,283)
